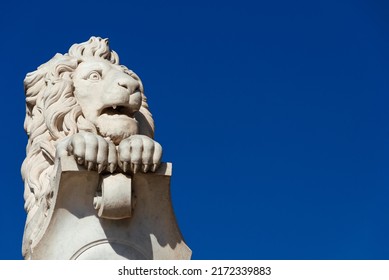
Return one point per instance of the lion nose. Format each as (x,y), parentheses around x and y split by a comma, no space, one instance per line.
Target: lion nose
(129,84)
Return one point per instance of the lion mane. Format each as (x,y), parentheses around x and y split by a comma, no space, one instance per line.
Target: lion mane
(53,113)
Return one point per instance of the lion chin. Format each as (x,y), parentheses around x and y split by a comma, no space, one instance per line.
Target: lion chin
(117,128)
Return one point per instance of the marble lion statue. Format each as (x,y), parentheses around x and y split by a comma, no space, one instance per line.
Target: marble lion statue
(85,104)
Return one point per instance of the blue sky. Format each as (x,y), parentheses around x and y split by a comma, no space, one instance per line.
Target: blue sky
(274,114)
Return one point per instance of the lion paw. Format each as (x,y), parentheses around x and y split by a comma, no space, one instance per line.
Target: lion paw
(91,150)
(139,152)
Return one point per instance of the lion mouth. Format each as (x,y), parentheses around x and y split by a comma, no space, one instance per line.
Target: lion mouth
(116,110)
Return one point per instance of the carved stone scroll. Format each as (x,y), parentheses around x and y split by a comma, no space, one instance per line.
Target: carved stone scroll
(74,229)
(113,199)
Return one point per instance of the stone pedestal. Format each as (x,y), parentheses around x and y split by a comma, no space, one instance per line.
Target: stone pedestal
(94,216)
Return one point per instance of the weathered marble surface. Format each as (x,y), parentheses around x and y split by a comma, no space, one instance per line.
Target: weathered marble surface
(94,184)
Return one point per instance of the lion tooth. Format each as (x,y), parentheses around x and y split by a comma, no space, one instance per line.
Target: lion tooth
(114,107)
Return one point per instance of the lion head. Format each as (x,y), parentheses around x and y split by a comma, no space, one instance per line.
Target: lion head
(84,90)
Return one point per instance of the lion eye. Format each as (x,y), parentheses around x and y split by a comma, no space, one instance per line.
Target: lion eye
(94,76)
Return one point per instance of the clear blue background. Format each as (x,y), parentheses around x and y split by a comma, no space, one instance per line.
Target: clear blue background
(274,114)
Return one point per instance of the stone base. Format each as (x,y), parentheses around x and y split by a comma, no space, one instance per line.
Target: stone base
(143,227)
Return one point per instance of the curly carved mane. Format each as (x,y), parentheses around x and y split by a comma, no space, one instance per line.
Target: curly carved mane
(53,113)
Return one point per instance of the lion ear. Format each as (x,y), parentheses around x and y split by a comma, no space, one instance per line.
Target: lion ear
(65,67)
